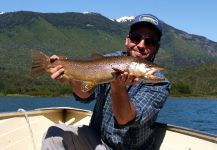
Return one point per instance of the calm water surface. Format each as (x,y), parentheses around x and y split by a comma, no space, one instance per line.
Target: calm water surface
(196,113)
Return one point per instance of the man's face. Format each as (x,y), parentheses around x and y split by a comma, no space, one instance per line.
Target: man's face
(143,42)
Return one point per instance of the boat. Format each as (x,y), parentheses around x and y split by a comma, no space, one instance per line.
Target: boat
(24,130)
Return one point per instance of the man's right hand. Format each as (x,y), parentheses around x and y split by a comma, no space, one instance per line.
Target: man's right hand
(57,71)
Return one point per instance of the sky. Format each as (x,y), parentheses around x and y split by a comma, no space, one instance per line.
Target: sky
(192,16)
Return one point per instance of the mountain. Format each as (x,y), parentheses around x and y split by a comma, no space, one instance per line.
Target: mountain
(77,35)
(186,49)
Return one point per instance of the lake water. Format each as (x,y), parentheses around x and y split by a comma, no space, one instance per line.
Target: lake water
(196,113)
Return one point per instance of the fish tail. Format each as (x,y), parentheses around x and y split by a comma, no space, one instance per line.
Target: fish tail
(40,63)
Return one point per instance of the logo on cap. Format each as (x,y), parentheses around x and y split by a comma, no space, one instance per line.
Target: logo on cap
(148,19)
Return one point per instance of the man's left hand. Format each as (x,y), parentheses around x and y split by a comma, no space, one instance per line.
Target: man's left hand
(125,78)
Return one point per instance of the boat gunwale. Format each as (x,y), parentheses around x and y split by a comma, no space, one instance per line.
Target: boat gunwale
(190,132)
(43,111)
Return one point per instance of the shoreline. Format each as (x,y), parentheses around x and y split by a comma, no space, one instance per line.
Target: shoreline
(44,96)
(24,95)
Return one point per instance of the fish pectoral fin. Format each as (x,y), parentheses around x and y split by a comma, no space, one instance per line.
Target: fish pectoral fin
(117,70)
(87,86)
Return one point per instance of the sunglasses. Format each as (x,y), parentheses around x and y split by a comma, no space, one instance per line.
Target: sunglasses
(137,38)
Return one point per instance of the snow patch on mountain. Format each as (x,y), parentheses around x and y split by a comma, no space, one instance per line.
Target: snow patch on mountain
(86,12)
(125,19)
(91,13)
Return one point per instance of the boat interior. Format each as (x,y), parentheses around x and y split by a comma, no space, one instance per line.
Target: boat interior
(24,130)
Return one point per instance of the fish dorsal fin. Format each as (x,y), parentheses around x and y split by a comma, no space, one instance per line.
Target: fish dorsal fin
(62,58)
(94,56)
(87,86)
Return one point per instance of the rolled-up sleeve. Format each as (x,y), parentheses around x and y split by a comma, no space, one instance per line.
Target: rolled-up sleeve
(148,100)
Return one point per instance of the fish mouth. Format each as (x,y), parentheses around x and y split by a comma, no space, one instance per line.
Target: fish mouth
(150,75)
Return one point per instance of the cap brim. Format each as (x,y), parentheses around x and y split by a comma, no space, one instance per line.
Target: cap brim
(145,22)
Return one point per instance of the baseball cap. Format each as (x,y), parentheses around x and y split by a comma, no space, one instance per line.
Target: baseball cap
(147,18)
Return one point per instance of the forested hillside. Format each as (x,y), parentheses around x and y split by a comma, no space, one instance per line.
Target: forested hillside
(190,61)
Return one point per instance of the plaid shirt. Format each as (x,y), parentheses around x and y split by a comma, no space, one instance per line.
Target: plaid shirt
(147,98)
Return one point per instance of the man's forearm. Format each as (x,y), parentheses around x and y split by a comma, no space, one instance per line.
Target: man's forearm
(122,108)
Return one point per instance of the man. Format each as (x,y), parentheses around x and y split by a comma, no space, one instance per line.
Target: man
(126,109)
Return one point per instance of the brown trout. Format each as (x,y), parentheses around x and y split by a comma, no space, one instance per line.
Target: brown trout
(98,70)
